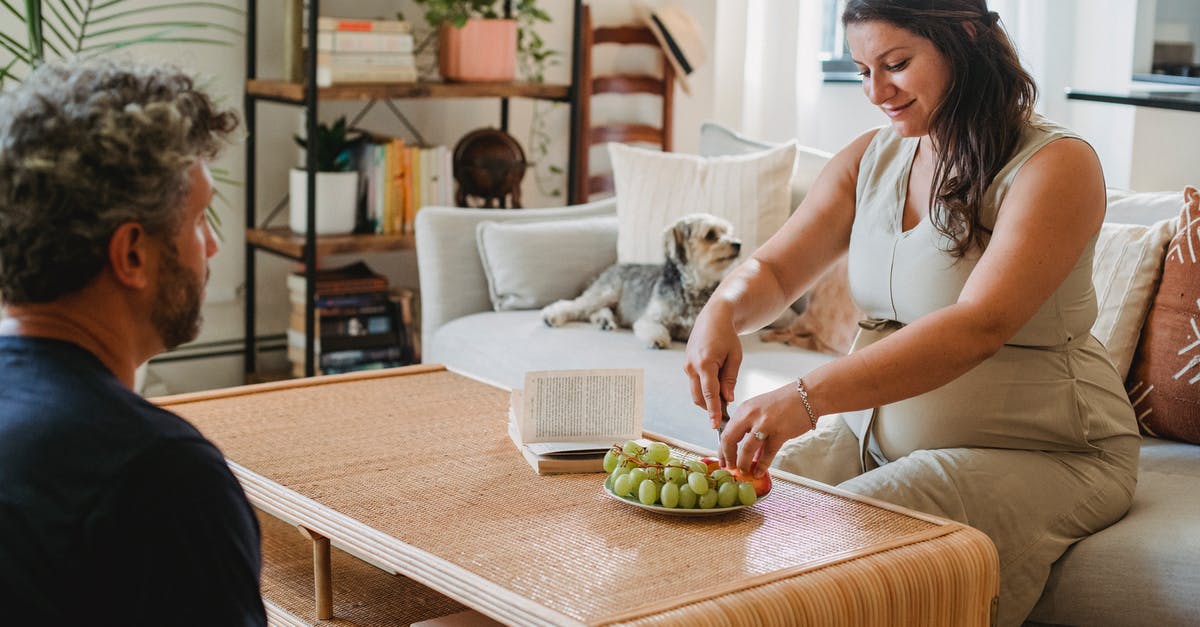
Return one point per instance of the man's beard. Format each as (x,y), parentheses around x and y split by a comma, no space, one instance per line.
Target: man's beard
(176,313)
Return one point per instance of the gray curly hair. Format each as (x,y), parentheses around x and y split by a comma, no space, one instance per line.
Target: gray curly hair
(88,145)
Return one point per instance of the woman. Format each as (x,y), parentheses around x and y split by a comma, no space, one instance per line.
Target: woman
(974,391)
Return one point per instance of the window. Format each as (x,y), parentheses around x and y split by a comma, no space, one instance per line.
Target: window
(835,54)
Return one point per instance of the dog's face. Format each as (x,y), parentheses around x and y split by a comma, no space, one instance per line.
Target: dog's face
(702,246)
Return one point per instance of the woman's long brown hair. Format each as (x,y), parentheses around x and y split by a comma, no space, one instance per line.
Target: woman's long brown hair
(976,129)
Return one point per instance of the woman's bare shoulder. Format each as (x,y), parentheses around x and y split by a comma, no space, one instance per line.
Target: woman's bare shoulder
(842,170)
(852,153)
(1064,165)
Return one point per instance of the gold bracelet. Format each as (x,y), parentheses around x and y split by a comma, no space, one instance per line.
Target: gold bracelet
(812,418)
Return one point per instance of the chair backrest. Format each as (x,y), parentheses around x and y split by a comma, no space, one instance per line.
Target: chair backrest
(590,84)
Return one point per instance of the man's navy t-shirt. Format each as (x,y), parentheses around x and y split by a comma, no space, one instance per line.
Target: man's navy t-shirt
(112,510)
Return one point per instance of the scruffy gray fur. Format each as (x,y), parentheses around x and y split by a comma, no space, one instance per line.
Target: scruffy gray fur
(659,301)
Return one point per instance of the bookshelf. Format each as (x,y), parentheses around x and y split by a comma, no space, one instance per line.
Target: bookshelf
(308,248)
(293,93)
(283,242)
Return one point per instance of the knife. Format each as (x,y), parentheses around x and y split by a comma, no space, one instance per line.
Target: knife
(721,427)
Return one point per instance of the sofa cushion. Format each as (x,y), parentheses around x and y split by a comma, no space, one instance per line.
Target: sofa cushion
(1125,273)
(718,141)
(1169,457)
(453,283)
(654,189)
(515,256)
(1128,207)
(502,346)
(1142,570)
(1165,381)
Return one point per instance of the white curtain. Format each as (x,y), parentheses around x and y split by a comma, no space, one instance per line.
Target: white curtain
(767,53)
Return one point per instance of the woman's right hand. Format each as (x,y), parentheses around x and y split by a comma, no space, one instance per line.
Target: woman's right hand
(713,357)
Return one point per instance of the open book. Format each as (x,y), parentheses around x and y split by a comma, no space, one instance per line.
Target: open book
(566,420)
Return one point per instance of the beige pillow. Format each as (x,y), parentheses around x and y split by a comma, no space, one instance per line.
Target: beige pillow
(1125,273)
(515,255)
(654,189)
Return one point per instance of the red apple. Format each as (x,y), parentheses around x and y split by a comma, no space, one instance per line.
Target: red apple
(762,484)
(712,462)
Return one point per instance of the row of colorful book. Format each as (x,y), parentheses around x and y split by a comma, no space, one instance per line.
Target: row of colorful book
(360,322)
(364,51)
(396,180)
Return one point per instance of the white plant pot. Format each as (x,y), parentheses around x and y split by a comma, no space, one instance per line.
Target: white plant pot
(337,196)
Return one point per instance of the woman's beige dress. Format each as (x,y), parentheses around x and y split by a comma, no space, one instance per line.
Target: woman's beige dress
(1037,446)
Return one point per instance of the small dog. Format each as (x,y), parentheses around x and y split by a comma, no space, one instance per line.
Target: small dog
(829,321)
(659,301)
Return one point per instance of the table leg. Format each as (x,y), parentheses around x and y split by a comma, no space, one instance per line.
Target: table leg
(322,578)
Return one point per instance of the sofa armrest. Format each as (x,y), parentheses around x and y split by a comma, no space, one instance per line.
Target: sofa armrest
(453,283)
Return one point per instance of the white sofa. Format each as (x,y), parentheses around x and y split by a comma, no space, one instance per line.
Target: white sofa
(1141,571)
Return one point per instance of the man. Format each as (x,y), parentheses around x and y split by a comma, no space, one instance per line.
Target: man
(112,511)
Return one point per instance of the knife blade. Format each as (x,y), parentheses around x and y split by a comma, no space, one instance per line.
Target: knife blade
(721,427)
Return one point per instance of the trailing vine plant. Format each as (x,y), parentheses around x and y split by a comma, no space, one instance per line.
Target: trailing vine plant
(534,57)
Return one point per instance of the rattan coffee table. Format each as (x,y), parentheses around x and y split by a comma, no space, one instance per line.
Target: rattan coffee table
(412,470)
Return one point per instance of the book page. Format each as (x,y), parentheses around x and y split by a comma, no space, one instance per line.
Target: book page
(581,406)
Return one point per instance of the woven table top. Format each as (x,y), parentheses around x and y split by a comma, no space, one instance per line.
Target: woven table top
(412,470)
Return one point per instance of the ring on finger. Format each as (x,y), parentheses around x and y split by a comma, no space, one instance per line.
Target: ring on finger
(759,435)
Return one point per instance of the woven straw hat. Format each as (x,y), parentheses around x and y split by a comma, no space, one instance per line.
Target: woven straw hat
(680,38)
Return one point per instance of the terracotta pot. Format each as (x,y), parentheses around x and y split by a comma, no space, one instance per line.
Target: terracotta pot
(480,51)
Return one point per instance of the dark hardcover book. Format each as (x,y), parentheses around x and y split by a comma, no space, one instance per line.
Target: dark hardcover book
(348,279)
(371,365)
(337,343)
(296,318)
(349,358)
(361,299)
(357,324)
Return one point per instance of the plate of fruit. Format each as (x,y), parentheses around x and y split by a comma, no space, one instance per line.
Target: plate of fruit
(648,475)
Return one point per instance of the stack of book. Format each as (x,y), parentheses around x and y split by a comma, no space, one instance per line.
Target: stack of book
(397,180)
(364,51)
(359,324)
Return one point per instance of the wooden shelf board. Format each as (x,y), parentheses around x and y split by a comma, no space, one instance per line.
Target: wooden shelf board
(294,92)
(284,241)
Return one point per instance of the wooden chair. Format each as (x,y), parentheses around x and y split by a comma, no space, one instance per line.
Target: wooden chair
(588,84)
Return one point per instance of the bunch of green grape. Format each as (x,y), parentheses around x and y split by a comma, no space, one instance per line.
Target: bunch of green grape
(650,475)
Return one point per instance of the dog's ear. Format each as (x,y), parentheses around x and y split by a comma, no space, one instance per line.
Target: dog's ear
(675,241)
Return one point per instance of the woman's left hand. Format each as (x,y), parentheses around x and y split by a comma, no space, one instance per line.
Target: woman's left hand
(778,415)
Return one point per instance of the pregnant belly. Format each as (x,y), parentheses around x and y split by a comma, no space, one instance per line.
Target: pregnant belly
(1019,398)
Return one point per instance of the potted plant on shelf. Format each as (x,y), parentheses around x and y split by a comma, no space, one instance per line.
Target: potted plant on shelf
(337,181)
(476,42)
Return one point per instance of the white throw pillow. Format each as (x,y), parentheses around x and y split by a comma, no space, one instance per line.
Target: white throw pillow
(1126,270)
(655,188)
(516,256)
(718,141)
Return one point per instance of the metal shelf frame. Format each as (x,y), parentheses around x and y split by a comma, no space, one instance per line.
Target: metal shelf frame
(310,247)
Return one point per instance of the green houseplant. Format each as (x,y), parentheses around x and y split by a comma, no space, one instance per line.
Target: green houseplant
(41,29)
(337,180)
(36,30)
